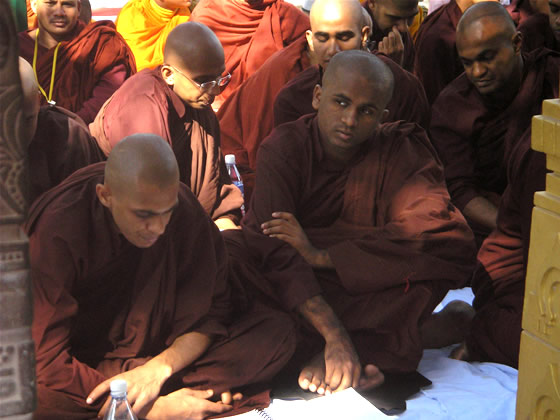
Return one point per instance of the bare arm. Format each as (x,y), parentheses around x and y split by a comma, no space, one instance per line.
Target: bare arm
(482,211)
(145,382)
(342,365)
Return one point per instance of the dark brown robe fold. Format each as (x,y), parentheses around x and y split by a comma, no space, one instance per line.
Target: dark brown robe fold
(246,117)
(250,32)
(499,280)
(436,60)
(408,103)
(397,243)
(474,138)
(537,33)
(92,53)
(146,104)
(103,306)
(62,144)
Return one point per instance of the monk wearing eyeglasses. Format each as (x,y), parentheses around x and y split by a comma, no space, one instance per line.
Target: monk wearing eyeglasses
(173,101)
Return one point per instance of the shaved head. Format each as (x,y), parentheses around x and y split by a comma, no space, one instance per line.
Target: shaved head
(195,47)
(363,65)
(328,10)
(141,159)
(486,12)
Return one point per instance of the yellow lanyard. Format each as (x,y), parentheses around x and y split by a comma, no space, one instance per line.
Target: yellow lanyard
(48,98)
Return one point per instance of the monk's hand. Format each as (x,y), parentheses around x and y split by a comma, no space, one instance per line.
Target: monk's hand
(143,386)
(285,227)
(342,364)
(187,403)
(392,46)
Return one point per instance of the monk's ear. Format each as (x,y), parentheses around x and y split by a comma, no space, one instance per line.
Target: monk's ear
(384,116)
(309,37)
(371,5)
(168,75)
(104,195)
(517,42)
(316,97)
(366,30)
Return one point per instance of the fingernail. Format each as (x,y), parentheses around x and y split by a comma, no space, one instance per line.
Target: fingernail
(89,400)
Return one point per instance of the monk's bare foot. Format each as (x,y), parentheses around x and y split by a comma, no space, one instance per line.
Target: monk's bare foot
(371,378)
(312,376)
(449,326)
(461,353)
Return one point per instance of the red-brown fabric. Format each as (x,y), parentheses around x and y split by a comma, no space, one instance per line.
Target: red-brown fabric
(537,33)
(246,117)
(474,138)
(250,32)
(396,242)
(377,36)
(408,103)
(62,144)
(499,281)
(103,306)
(94,51)
(436,60)
(519,10)
(146,104)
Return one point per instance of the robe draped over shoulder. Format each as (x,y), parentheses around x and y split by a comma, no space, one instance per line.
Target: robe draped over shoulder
(89,67)
(474,138)
(386,221)
(103,306)
(436,60)
(145,25)
(146,104)
(537,33)
(499,280)
(250,32)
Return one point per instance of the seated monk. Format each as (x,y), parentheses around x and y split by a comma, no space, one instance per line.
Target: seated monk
(493,101)
(542,29)
(78,66)
(250,32)
(408,102)
(436,62)
(352,227)
(130,281)
(499,280)
(60,141)
(145,25)
(173,101)
(390,34)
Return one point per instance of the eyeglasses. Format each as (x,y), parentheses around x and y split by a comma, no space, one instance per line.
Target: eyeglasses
(221,81)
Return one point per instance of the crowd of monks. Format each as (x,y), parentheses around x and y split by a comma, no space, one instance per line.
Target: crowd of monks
(382,167)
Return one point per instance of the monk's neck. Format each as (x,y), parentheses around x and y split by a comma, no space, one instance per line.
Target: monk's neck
(464,4)
(47,39)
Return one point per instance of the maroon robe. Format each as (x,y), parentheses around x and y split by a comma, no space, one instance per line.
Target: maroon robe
(499,281)
(474,138)
(89,67)
(146,104)
(436,61)
(537,33)
(250,32)
(408,103)
(103,306)
(246,117)
(377,36)
(397,243)
(62,144)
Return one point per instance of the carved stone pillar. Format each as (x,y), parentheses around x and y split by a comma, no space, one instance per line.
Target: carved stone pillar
(538,394)
(17,365)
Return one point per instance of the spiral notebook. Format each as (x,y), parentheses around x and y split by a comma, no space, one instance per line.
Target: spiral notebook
(347,404)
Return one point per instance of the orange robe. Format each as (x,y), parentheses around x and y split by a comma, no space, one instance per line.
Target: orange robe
(250,32)
(145,25)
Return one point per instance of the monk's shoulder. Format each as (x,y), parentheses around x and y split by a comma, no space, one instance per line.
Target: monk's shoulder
(144,84)
(400,134)
(290,139)
(456,95)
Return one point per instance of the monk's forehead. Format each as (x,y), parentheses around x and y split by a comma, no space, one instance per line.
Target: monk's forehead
(484,31)
(400,7)
(348,12)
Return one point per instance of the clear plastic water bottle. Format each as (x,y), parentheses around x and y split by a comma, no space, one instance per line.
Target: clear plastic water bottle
(235,177)
(119,408)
